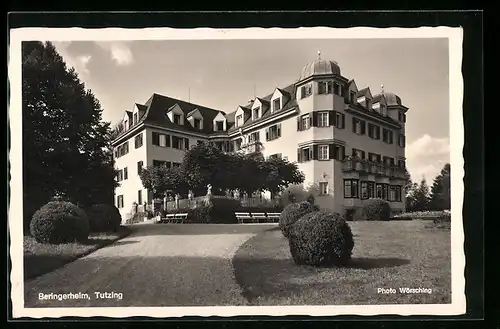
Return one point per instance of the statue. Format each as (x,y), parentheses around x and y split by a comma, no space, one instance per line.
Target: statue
(209,189)
(237,194)
(190,195)
(177,201)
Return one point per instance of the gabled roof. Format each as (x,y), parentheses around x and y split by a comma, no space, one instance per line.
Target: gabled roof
(362,92)
(157,105)
(141,107)
(288,103)
(129,114)
(284,92)
(192,112)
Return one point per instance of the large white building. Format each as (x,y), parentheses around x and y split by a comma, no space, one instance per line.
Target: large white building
(349,142)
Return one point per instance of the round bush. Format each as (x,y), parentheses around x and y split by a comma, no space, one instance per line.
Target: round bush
(376,209)
(321,239)
(292,213)
(60,222)
(104,218)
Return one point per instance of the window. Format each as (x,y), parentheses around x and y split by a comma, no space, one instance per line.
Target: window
(352,97)
(351,189)
(323,188)
(358,126)
(156,138)
(276,104)
(305,91)
(135,118)
(339,120)
(239,120)
(138,141)
(219,125)
(273,132)
(163,140)
(379,191)
(119,201)
(402,141)
(368,103)
(338,152)
(364,190)
(325,87)
(180,143)
(255,113)
(401,164)
(387,136)
(254,137)
(125,173)
(237,144)
(324,152)
(139,197)
(159,163)
(197,123)
(337,89)
(177,119)
(401,116)
(323,119)
(140,164)
(358,154)
(305,122)
(371,189)
(373,131)
(119,175)
(373,157)
(275,156)
(304,154)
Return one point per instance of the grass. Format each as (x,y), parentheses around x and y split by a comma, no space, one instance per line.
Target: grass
(42,258)
(395,254)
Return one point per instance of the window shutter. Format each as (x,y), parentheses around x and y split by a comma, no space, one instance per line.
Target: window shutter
(363,127)
(257,136)
(343,121)
(331,151)
(299,127)
(299,155)
(311,120)
(186,143)
(267,134)
(279,129)
(315,152)
(363,154)
(353,125)
(331,118)
(315,119)
(167,140)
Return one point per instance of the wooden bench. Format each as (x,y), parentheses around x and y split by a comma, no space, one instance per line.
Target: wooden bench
(273,216)
(180,218)
(258,216)
(168,218)
(242,216)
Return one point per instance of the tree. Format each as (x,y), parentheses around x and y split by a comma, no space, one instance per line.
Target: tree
(162,180)
(280,174)
(65,143)
(440,190)
(421,196)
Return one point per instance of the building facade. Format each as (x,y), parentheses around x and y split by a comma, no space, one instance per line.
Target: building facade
(347,141)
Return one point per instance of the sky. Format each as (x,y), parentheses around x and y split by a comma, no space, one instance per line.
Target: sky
(223,74)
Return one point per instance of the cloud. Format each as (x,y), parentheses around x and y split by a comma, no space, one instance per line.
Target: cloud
(426,156)
(119,51)
(78,62)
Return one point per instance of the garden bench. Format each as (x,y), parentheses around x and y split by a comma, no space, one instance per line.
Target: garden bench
(180,217)
(273,216)
(241,216)
(257,216)
(168,218)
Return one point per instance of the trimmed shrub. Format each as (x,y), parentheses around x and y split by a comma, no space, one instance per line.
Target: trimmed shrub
(104,218)
(321,239)
(292,213)
(376,209)
(60,222)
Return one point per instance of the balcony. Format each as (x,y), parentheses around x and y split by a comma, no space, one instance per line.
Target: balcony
(373,168)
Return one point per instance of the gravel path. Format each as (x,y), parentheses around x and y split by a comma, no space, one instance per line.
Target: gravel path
(157,265)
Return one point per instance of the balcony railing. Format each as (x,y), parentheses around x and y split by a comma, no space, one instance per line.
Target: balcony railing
(375,168)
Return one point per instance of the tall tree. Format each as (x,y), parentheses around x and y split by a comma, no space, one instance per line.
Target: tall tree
(421,196)
(280,174)
(440,190)
(162,180)
(65,144)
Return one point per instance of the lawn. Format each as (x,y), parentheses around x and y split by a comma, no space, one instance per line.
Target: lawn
(42,258)
(388,255)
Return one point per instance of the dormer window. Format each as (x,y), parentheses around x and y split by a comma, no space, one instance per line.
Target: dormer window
(383,110)
(306,91)
(239,120)
(368,104)
(276,104)
(126,125)
(135,118)
(352,97)
(255,113)
(197,123)
(219,125)
(177,119)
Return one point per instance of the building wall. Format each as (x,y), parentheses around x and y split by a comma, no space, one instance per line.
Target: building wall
(129,188)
